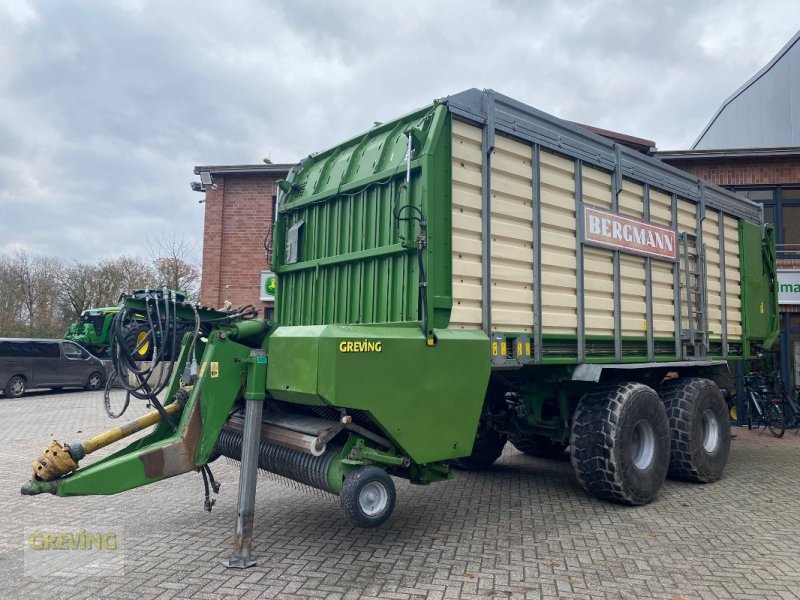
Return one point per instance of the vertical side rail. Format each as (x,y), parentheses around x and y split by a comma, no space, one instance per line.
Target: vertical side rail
(676,287)
(537,254)
(487,146)
(687,285)
(700,266)
(255,394)
(617,188)
(579,272)
(648,281)
(723,284)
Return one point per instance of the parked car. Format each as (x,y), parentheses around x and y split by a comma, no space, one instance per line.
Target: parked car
(40,363)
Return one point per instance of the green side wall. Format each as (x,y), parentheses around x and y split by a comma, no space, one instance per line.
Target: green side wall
(426,399)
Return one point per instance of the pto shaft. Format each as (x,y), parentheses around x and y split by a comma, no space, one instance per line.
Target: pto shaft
(58,460)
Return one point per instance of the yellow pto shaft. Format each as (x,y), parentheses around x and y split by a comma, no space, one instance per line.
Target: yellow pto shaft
(58,460)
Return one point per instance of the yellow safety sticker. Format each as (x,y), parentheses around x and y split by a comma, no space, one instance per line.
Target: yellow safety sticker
(214,369)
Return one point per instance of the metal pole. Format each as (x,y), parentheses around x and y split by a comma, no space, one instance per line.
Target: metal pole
(248,471)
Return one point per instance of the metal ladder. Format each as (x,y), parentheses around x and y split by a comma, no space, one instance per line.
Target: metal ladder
(694,338)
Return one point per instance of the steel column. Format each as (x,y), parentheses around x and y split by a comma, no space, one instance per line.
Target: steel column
(723,283)
(536,169)
(487,146)
(676,286)
(579,271)
(648,280)
(615,191)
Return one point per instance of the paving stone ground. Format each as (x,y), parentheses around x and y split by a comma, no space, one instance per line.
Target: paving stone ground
(523,529)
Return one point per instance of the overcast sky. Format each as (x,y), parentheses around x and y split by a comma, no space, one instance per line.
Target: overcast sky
(106,107)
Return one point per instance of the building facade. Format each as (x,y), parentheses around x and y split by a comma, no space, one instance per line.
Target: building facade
(239,213)
(752,146)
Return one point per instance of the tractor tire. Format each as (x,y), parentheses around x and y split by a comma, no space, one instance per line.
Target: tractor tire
(15,387)
(620,443)
(700,429)
(368,496)
(134,338)
(180,332)
(486,450)
(532,444)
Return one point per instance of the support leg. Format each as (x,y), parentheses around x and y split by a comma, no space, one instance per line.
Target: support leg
(242,543)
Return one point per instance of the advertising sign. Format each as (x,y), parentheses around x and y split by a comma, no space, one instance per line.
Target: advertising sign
(788,286)
(268,283)
(618,232)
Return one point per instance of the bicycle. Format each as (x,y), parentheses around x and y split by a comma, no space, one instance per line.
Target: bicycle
(768,408)
(791,408)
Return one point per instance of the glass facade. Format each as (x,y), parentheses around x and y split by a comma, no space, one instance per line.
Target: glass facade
(782,209)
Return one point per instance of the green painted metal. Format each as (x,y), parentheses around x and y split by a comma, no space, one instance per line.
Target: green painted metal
(426,399)
(224,366)
(758,285)
(357,261)
(92,329)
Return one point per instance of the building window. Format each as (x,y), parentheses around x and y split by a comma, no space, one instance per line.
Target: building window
(782,209)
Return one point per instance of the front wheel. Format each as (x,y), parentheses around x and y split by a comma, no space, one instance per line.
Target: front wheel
(619,443)
(368,496)
(486,449)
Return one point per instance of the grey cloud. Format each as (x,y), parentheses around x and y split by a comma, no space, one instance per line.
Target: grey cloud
(106,107)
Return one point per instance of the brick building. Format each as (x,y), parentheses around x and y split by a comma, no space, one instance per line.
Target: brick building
(239,212)
(752,146)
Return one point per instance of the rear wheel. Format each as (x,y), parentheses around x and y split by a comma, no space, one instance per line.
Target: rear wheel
(775,418)
(368,496)
(139,340)
(700,429)
(15,387)
(620,443)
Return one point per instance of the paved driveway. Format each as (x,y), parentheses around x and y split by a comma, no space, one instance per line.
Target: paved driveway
(521,530)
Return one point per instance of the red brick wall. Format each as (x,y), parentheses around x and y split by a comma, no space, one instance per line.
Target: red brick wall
(750,171)
(238,215)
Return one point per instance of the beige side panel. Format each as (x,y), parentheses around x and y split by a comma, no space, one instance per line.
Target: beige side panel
(733,290)
(713,274)
(598,267)
(466,166)
(596,187)
(686,223)
(558,245)
(512,237)
(662,271)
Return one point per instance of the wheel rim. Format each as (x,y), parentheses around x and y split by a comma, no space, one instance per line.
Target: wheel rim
(643,444)
(373,498)
(17,386)
(142,343)
(94,380)
(710,431)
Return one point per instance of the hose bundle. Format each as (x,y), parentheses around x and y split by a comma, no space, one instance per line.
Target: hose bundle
(162,331)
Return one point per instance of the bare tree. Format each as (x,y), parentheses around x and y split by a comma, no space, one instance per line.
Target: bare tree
(38,278)
(175,263)
(10,301)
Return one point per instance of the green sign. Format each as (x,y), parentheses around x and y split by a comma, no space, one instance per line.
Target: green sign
(269,282)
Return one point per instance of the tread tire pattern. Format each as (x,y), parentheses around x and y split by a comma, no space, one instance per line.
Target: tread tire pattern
(598,453)
(688,460)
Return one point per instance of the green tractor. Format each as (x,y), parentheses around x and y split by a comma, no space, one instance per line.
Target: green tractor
(92,329)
